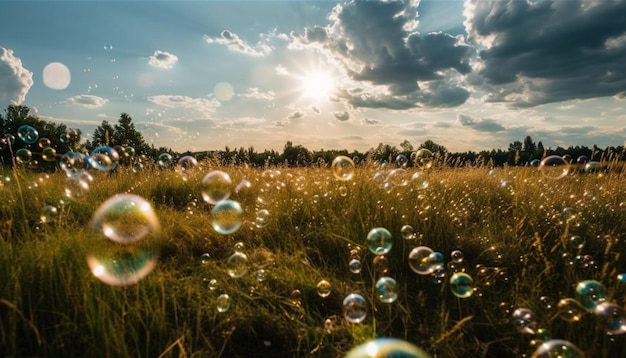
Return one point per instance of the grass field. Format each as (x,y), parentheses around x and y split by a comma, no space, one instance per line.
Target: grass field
(528,242)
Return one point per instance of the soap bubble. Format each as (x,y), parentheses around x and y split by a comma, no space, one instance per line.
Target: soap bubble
(239,247)
(77,186)
(187,163)
(354,308)
(461,284)
(612,317)
(457,256)
(590,294)
(379,241)
(262,218)
(44,143)
(525,320)
(49,214)
(343,168)
(27,134)
(165,160)
(386,289)
(49,154)
(593,167)
(261,275)
(124,241)
(554,167)
(23,156)
(535,162)
(583,159)
(205,258)
(386,347)
(423,158)
(381,265)
(557,348)
(72,163)
(355,266)
(420,180)
(435,260)
(237,265)
(570,310)
(399,177)
(223,303)
(104,158)
(323,288)
(418,260)
(226,217)
(407,232)
(216,186)
(401,161)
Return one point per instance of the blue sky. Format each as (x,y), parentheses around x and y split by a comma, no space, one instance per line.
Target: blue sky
(196,75)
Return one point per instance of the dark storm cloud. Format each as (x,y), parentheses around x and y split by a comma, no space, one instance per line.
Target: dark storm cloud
(482,125)
(376,42)
(548,51)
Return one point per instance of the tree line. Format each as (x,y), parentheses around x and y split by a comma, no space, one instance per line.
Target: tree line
(124,137)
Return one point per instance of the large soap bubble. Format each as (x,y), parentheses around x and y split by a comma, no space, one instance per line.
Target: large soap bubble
(343,168)
(104,158)
(124,241)
(387,347)
(354,308)
(554,167)
(216,186)
(227,217)
(558,348)
(379,241)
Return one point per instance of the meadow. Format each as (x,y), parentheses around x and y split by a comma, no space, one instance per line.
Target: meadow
(513,259)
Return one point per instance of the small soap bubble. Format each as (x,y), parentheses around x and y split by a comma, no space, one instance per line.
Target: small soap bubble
(423,158)
(213,284)
(44,143)
(124,240)
(323,288)
(386,290)
(387,347)
(262,218)
(525,320)
(379,241)
(554,167)
(576,242)
(436,260)
(355,266)
(72,163)
(165,160)
(296,297)
(239,246)
(343,191)
(546,302)
(77,186)
(590,294)
(343,168)
(23,156)
(226,217)
(557,348)
(205,258)
(418,260)
(49,214)
(354,308)
(237,265)
(223,303)
(401,161)
(570,310)
(187,163)
(261,275)
(407,232)
(439,275)
(381,265)
(27,134)
(420,180)
(461,285)
(399,177)
(49,154)
(104,158)
(457,256)
(612,317)
(216,187)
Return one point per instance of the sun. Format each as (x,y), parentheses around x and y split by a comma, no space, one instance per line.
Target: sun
(317,85)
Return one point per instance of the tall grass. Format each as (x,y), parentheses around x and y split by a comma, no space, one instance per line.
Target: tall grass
(513,226)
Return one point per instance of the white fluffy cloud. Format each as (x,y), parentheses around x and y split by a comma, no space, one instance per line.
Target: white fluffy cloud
(203,105)
(88,101)
(162,59)
(256,94)
(236,44)
(15,80)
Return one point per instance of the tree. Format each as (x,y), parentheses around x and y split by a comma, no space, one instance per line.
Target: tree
(102,135)
(433,147)
(296,155)
(529,146)
(123,134)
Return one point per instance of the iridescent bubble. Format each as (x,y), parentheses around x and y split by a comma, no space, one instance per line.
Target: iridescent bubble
(237,264)
(387,347)
(124,242)
(379,241)
(554,167)
(262,218)
(165,160)
(354,308)
(593,167)
(436,260)
(213,284)
(223,303)
(226,217)
(239,247)
(77,186)
(590,294)
(399,177)
(612,317)
(420,180)
(343,168)
(355,266)
(27,134)
(570,310)
(104,158)
(583,159)
(44,143)
(216,187)
(457,256)
(423,158)
(49,154)
(386,290)
(418,260)
(23,156)
(323,288)
(557,348)
(401,161)
(72,163)
(407,232)
(49,214)
(439,275)
(535,162)
(187,163)
(205,258)
(525,320)
(461,285)
(567,158)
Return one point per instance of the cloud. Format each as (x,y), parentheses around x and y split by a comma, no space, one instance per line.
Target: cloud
(341,116)
(377,44)
(203,105)
(236,44)
(296,115)
(371,121)
(162,59)
(256,94)
(88,101)
(281,70)
(483,125)
(15,80)
(535,52)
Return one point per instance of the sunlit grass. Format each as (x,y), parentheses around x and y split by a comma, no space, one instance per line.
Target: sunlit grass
(513,226)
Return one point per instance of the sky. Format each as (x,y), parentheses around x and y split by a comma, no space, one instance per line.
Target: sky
(204,74)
